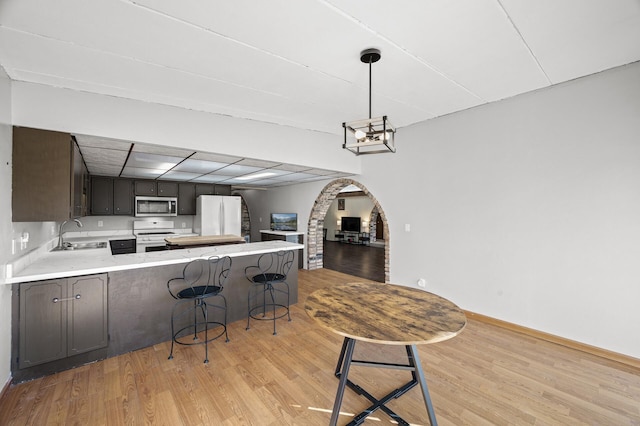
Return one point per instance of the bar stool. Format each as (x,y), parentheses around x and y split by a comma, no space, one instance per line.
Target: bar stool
(268,281)
(201,280)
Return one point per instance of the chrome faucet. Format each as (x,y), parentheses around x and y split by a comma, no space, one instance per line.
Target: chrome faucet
(60,242)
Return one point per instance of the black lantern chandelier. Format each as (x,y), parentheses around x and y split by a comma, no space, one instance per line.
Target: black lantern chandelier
(373,135)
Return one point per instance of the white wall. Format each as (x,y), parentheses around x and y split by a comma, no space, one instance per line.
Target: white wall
(290,199)
(525,210)
(5,224)
(354,207)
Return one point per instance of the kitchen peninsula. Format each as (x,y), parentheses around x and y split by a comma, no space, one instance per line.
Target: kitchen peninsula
(134,296)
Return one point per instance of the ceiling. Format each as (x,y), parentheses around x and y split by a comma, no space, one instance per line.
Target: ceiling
(110,157)
(296,63)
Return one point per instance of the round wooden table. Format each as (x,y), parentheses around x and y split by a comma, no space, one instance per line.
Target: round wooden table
(385,314)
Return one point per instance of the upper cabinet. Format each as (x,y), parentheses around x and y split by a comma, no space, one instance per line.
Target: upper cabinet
(101,195)
(146,187)
(111,196)
(49,176)
(167,189)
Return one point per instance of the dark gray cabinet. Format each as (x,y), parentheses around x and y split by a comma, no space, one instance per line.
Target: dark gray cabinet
(222,190)
(123,196)
(186,198)
(167,189)
(205,189)
(146,187)
(61,318)
(80,173)
(123,246)
(101,195)
(47,176)
(116,195)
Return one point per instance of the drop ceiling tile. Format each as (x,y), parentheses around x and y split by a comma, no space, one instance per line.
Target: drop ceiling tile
(291,167)
(576,38)
(102,169)
(294,177)
(321,172)
(281,184)
(135,172)
(210,178)
(317,178)
(277,172)
(236,170)
(220,158)
(105,156)
(100,142)
(162,150)
(264,182)
(198,166)
(257,163)
(183,176)
(472,43)
(152,161)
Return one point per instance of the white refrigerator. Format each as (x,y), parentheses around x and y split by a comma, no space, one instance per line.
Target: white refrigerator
(218,215)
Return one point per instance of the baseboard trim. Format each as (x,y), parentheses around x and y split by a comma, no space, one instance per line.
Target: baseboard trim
(5,388)
(593,350)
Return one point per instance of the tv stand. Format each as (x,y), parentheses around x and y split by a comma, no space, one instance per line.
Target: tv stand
(352,237)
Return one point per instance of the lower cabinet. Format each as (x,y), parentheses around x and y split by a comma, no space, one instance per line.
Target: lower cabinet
(61,318)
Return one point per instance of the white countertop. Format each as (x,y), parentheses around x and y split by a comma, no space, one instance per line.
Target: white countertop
(71,263)
(268,231)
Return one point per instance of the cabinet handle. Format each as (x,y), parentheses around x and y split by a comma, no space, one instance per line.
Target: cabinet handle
(56,300)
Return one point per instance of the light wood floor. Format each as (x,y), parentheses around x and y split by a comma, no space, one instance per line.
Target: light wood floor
(486,375)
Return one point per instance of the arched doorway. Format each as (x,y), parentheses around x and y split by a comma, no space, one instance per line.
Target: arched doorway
(316,223)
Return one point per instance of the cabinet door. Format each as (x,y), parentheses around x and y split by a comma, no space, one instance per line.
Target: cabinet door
(43,322)
(41,175)
(101,195)
(167,189)
(223,190)
(205,189)
(187,198)
(123,197)
(78,199)
(87,313)
(146,187)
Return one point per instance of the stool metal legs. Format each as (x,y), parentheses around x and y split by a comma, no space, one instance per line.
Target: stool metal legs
(202,306)
(270,289)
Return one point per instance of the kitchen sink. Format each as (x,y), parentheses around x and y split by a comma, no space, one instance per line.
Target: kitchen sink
(82,246)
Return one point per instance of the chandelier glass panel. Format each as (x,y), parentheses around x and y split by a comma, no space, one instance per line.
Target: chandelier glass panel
(372,135)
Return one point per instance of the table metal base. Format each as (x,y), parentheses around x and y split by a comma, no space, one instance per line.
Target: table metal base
(345,361)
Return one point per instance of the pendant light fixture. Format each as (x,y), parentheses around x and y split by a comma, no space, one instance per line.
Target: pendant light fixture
(373,135)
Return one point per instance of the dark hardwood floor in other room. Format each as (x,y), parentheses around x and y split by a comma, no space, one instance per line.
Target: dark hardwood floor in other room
(353,259)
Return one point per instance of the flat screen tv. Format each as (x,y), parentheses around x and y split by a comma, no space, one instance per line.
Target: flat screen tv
(351,224)
(284,221)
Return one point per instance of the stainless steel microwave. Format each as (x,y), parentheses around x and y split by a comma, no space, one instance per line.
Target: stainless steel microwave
(156,206)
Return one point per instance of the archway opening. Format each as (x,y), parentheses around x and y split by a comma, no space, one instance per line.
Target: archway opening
(315,229)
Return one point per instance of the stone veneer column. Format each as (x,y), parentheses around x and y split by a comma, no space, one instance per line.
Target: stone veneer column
(316,223)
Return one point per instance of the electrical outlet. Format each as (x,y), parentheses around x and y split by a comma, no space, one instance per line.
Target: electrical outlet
(184,224)
(407,227)
(100,224)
